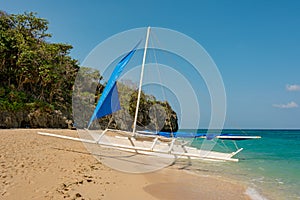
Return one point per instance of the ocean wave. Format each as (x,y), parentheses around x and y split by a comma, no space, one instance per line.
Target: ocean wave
(254,194)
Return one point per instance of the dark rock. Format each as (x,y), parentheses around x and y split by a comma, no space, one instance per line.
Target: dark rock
(34,119)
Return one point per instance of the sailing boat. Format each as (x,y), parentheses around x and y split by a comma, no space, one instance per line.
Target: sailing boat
(138,142)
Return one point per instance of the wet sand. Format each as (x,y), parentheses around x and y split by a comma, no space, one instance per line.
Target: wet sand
(39,167)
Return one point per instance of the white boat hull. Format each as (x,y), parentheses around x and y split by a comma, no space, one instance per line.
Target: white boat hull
(171,149)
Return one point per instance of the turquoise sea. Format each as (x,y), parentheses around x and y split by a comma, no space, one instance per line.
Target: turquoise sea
(269,166)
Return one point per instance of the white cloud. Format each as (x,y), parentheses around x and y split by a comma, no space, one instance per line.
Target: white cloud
(292,87)
(291,104)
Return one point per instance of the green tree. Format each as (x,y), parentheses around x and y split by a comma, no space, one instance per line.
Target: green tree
(34,74)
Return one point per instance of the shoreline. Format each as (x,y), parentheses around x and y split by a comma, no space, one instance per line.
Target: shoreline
(39,167)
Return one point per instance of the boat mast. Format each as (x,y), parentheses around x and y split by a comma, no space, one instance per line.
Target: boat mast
(141,81)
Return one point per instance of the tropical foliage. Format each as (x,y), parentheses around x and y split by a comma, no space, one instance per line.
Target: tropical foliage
(34,73)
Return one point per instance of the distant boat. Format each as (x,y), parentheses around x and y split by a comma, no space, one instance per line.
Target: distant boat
(144,142)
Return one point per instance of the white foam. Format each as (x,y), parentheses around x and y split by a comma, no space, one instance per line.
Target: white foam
(254,195)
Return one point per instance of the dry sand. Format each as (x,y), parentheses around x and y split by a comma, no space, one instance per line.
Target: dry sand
(40,167)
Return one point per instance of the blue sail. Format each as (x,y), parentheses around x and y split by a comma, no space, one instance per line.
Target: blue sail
(109,100)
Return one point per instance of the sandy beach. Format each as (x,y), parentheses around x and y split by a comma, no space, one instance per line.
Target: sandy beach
(40,167)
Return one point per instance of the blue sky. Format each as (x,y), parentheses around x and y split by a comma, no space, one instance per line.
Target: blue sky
(255,44)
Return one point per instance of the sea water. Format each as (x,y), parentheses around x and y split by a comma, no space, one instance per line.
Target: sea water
(269,166)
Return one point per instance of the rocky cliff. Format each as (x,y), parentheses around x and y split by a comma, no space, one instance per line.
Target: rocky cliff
(35,119)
